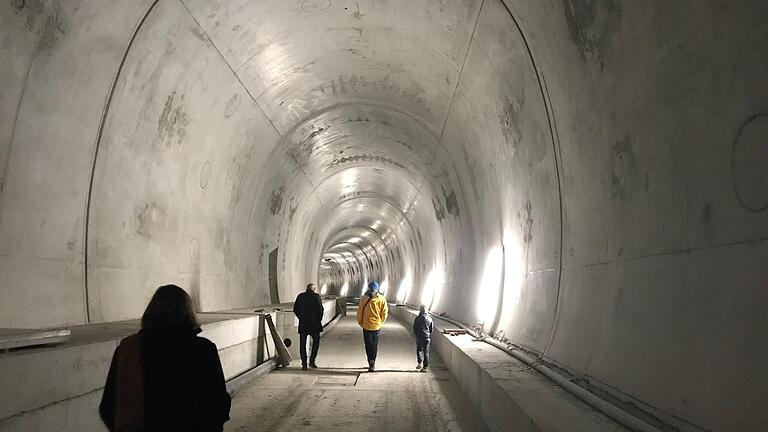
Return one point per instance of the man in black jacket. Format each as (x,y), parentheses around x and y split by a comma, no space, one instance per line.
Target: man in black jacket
(309,310)
(422,329)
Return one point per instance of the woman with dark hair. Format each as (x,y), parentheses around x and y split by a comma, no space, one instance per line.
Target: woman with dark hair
(165,377)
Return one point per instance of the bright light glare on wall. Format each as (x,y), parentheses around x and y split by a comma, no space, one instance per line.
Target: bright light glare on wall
(514,271)
(365,287)
(344,289)
(405,288)
(383,287)
(348,178)
(490,285)
(432,286)
(324,289)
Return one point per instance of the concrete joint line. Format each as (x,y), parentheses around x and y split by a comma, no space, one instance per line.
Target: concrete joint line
(229,66)
(97,144)
(556,154)
(30,411)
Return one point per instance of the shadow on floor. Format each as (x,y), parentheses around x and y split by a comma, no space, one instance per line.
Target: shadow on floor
(343,371)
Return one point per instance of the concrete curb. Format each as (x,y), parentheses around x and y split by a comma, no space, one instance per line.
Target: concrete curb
(237,383)
(507,393)
(331,324)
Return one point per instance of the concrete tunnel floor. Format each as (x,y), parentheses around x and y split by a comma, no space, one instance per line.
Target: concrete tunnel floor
(341,395)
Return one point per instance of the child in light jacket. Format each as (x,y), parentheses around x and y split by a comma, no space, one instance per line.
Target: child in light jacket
(422,329)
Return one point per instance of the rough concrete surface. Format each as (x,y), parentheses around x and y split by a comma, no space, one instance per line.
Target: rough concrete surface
(585,177)
(59,387)
(508,394)
(342,395)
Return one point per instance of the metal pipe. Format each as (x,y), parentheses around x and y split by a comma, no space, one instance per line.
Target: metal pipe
(607,408)
(598,403)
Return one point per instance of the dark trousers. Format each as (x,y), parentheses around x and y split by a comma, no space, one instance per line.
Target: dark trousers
(422,351)
(371,339)
(303,347)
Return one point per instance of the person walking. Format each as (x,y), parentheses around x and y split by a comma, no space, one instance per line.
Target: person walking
(422,329)
(166,377)
(308,308)
(371,314)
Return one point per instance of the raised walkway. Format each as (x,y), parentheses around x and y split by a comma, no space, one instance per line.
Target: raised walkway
(342,396)
(58,387)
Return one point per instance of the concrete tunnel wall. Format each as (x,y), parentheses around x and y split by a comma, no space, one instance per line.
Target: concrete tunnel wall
(586,176)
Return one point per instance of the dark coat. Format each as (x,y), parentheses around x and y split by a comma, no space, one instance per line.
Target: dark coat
(308,308)
(422,326)
(165,381)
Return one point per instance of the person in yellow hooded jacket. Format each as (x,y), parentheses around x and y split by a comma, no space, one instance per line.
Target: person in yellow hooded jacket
(371,314)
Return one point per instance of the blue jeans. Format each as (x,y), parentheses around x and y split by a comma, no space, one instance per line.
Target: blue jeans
(422,351)
(371,339)
(303,347)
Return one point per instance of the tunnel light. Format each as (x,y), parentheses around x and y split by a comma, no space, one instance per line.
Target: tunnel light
(324,289)
(405,288)
(365,287)
(344,289)
(490,285)
(348,178)
(432,285)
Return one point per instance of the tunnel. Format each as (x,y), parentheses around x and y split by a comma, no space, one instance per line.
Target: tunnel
(581,182)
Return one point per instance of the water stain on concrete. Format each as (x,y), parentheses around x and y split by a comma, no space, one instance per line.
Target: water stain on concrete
(198,32)
(224,245)
(357,14)
(592,23)
(526,222)
(315,132)
(364,158)
(623,168)
(451,203)
(473,180)
(439,209)
(315,5)
(510,122)
(173,121)
(231,106)
(30,10)
(150,220)
(276,201)
(404,144)
(53,29)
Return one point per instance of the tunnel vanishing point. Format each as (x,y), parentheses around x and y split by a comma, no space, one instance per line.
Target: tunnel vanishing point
(586,178)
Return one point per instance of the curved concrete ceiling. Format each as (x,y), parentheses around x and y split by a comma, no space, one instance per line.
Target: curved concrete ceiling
(584,177)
